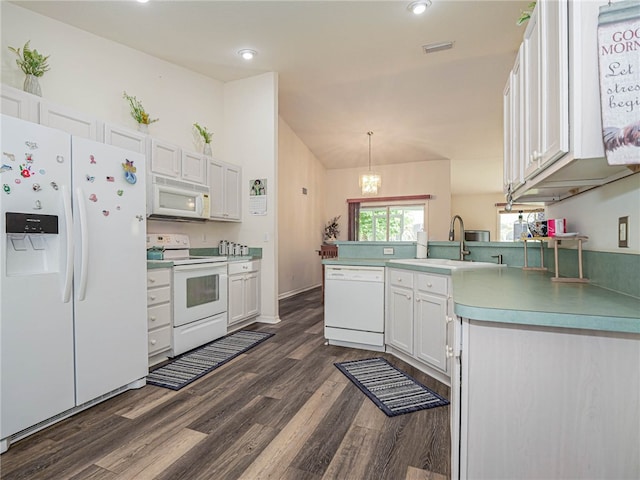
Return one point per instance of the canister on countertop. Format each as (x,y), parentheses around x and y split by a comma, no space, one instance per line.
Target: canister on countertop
(245,250)
(237,249)
(222,247)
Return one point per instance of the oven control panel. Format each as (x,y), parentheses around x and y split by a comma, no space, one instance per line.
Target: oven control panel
(167,241)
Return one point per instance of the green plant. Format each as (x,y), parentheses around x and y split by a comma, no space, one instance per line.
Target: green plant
(137,110)
(525,15)
(31,62)
(331,228)
(204,133)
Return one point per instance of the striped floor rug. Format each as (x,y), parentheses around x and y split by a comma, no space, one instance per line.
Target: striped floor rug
(194,364)
(393,391)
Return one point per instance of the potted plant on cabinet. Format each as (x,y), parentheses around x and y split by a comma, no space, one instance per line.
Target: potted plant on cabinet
(34,65)
(207,136)
(138,113)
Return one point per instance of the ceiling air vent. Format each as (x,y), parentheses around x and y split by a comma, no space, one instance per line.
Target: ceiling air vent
(436,47)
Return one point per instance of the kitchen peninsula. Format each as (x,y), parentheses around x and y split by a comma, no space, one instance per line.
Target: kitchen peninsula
(545,380)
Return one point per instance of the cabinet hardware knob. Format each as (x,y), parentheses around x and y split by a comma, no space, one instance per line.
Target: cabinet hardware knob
(152,318)
(153,342)
(399,280)
(408,297)
(449,351)
(152,297)
(152,280)
(429,284)
(449,319)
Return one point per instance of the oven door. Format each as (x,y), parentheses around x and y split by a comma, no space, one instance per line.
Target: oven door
(199,291)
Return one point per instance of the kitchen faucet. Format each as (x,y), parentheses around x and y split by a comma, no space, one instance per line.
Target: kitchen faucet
(463,252)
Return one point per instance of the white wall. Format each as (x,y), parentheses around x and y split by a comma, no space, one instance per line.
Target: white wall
(416,178)
(89,74)
(595,213)
(479,212)
(301,217)
(251,140)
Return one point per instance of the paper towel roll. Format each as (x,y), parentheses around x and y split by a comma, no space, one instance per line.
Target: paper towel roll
(421,245)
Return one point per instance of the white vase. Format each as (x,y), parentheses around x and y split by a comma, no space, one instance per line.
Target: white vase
(207,150)
(143,128)
(32,85)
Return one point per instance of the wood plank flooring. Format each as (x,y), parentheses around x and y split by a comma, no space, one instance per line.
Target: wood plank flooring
(280,411)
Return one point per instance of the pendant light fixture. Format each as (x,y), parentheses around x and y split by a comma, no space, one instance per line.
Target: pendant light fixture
(370,182)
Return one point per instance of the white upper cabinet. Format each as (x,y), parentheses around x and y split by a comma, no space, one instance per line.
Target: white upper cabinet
(70,121)
(125,138)
(165,158)
(225,190)
(194,167)
(19,104)
(513,126)
(170,160)
(560,132)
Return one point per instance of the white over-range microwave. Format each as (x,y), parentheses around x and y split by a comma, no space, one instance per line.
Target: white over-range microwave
(178,199)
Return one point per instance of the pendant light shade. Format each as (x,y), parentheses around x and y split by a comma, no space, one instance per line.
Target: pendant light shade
(370,181)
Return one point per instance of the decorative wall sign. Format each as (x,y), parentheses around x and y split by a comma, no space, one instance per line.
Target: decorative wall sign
(619,54)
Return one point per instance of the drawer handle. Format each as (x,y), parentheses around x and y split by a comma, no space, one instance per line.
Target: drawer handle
(429,284)
(152,318)
(152,297)
(153,342)
(152,280)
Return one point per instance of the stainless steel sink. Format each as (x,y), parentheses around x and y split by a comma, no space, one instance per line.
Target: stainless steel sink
(445,263)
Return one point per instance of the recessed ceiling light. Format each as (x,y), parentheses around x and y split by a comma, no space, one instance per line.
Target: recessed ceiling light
(247,53)
(419,7)
(436,47)
(143,1)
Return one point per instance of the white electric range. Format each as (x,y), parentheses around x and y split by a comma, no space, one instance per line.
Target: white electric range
(199,292)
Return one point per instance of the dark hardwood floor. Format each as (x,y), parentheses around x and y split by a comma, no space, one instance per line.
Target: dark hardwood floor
(280,411)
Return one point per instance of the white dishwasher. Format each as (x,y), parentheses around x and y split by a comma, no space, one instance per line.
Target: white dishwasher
(354,306)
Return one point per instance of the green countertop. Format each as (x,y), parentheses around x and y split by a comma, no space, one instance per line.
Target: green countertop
(516,296)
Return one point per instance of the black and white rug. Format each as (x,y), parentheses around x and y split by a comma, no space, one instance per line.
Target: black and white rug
(192,365)
(393,391)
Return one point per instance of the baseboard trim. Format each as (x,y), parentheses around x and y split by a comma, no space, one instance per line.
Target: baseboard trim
(298,291)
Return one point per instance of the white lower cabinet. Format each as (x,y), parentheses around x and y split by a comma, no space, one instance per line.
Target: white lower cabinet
(417,320)
(159,313)
(244,290)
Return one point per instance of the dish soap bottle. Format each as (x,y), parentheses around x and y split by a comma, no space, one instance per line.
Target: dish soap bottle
(520,228)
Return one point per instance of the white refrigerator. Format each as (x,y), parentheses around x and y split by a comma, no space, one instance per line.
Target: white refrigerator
(73,274)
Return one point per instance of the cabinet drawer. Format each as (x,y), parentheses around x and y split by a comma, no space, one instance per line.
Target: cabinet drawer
(158,277)
(158,295)
(159,340)
(243,267)
(159,316)
(433,283)
(401,278)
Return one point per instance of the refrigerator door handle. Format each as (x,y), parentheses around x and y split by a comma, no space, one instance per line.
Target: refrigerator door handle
(84,244)
(68,271)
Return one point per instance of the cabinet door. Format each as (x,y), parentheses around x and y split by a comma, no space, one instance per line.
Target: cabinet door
(70,121)
(517,122)
(532,95)
(252,293)
(554,91)
(236,298)
(431,330)
(232,192)
(19,104)
(399,331)
(165,158)
(194,167)
(125,138)
(216,188)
